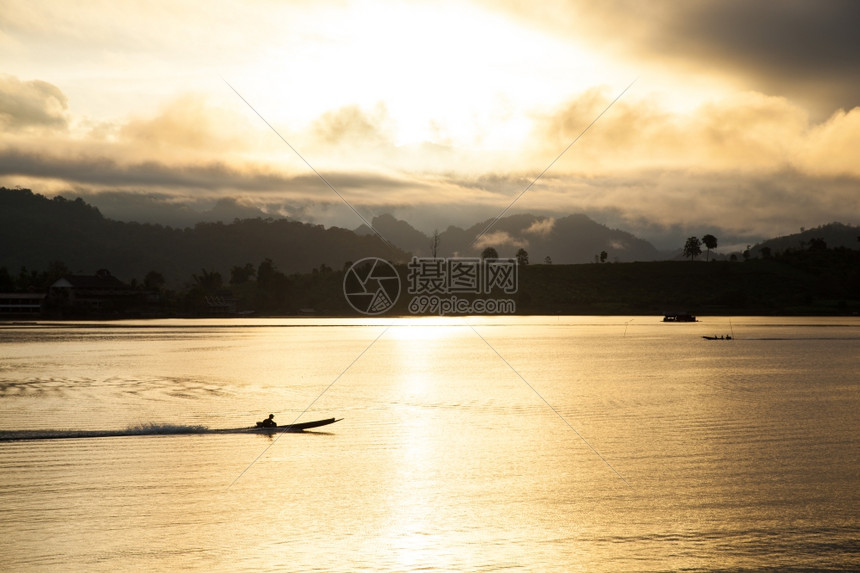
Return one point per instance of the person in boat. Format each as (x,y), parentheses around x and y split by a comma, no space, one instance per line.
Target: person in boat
(268,422)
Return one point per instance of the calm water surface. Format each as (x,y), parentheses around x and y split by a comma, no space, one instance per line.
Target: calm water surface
(529,443)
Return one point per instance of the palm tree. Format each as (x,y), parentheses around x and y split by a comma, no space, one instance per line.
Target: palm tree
(208,282)
(710,242)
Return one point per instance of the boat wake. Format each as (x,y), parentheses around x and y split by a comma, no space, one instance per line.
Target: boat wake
(138,430)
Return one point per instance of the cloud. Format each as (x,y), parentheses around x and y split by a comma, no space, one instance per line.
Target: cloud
(104,170)
(748,164)
(541,227)
(31,104)
(350,125)
(187,123)
(498,239)
(800,49)
(657,203)
(831,148)
(744,132)
(107,32)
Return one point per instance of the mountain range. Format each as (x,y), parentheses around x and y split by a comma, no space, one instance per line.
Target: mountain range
(565,240)
(36,231)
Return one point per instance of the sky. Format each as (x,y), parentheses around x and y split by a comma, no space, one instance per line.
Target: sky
(735,118)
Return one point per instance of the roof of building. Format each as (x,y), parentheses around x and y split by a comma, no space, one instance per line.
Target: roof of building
(22,295)
(102,279)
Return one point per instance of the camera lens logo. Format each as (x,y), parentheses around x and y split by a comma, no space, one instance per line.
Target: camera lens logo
(371,286)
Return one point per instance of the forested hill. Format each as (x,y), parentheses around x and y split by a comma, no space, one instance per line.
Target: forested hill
(36,231)
(831,235)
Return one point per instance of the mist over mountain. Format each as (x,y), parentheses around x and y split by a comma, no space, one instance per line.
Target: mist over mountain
(410,229)
(36,231)
(565,240)
(160,209)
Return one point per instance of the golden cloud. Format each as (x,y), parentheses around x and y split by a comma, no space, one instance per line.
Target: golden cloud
(31,105)
(745,162)
(498,239)
(746,132)
(541,227)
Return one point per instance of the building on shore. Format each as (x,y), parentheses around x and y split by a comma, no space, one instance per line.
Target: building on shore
(21,304)
(98,294)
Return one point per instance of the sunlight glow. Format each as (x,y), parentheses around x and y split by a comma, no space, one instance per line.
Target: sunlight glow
(449,72)
(424,329)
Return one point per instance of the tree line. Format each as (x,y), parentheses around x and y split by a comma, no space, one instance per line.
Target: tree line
(248,288)
(815,279)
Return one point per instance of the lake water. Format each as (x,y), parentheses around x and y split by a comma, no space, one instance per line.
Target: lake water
(503,444)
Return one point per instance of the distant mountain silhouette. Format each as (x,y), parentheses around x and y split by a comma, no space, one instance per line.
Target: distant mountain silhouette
(834,235)
(399,233)
(35,231)
(228,209)
(566,240)
(160,209)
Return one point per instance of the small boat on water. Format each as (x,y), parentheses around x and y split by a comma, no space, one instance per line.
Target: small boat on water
(679,317)
(297,427)
(726,337)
